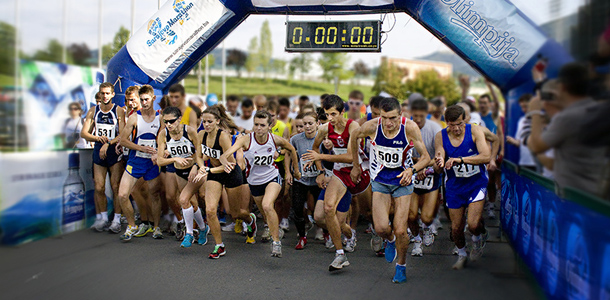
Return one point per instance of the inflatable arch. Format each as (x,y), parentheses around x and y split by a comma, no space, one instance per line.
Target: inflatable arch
(493,36)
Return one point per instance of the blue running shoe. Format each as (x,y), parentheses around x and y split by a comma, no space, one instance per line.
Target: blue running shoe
(390,251)
(188,241)
(401,274)
(203,235)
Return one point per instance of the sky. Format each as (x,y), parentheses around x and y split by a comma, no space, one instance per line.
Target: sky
(41,21)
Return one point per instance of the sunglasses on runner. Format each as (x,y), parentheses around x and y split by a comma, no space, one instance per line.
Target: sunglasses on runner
(170,121)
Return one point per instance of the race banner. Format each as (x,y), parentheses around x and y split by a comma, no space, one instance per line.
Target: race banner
(173,33)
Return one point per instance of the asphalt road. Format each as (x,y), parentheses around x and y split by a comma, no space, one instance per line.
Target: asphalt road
(90,265)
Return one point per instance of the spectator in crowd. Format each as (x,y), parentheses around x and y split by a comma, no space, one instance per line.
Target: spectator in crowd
(72,127)
(436,111)
(551,107)
(474,114)
(232,106)
(355,104)
(576,164)
(526,159)
(245,122)
(259,101)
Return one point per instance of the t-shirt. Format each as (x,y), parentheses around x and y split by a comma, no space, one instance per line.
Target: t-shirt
(278,129)
(546,172)
(489,123)
(72,131)
(576,164)
(428,132)
(475,118)
(525,155)
(301,143)
(245,124)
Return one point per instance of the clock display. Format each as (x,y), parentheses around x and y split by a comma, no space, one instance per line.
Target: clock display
(343,36)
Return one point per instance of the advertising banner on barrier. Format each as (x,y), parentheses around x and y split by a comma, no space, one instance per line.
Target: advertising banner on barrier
(566,245)
(173,33)
(45,194)
(49,88)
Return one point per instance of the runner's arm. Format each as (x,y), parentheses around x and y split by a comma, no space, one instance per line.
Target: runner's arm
(121,119)
(87,126)
(493,139)
(484,153)
(161,145)
(293,154)
(197,141)
(439,150)
(239,144)
(414,134)
(368,129)
(131,123)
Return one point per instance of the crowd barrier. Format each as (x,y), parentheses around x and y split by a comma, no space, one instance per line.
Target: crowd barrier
(560,234)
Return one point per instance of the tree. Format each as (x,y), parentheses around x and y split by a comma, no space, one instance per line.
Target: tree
(361,69)
(278,66)
(120,39)
(252,60)
(430,84)
(7,49)
(53,53)
(80,53)
(333,65)
(388,80)
(266,48)
(302,63)
(237,59)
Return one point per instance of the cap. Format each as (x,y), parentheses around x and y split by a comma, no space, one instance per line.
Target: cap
(73,160)
(211,99)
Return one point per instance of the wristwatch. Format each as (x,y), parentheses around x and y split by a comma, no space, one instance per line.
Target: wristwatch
(461,159)
(413,170)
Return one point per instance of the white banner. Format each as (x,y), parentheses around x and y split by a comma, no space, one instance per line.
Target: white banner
(279,3)
(173,33)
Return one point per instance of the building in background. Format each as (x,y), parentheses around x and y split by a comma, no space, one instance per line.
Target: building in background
(410,67)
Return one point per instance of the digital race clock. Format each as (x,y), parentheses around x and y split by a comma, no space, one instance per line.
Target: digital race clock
(344,36)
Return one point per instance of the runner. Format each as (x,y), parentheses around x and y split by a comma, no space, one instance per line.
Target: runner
(107,120)
(338,131)
(145,126)
(184,147)
(426,185)
(216,141)
(263,175)
(392,170)
(307,185)
(462,150)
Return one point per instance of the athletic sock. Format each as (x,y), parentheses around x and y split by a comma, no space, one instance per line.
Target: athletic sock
(117,218)
(405,265)
(188,219)
(221,244)
(462,251)
(393,239)
(476,238)
(340,252)
(418,238)
(199,219)
(105,216)
(98,217)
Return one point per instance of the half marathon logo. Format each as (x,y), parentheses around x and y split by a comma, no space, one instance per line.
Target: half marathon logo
(486,36)
(165,33)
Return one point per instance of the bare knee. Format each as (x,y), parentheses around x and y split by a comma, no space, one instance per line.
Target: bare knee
(268,207)
(400,231)
(382,227)
(100,187)
(427,218)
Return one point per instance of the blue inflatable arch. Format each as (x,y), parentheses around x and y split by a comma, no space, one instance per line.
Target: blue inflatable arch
(493,36)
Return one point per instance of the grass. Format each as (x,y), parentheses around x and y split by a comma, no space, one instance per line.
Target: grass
(273,87)
(7,80)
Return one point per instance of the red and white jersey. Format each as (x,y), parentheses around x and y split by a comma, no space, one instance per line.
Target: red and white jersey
(340,145)
(260,166)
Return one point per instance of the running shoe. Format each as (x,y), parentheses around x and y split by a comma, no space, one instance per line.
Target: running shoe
(157,233)
(222,220)
(203,235)
(351,242)
(477,250)
(411,236)
(455,250)
(376,243)
(244,227)
(180,231)
(218,252)
(390,251)
(276,249)
(100,225)
(173,228)
(484,238)
(266,234)
(301,244)
(281,233)
(187,242)
(229,227)
(461,262)
(129,232)
(490,210)
(123,220)
(433,229)
(417,250)
(380,253)
(319,234)
(115,227)
(143,230)
(328,242)
(437,223)
(238,226)
(284,225)
(164,225)
(339,262)
(251,229)
(428,237)
(308,227)
(401,274)
(370,228)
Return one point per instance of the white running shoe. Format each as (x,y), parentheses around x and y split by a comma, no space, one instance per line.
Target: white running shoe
(328,241)
(276,249)
(266,234)
(228,227)
(461,263)
(281,233)
(338,263)
(428,237)
(477,250)
(437,223)
(319,234)
(115,227)
(284,225)
(417,250)
(491,210)
(351,242)
(455,250)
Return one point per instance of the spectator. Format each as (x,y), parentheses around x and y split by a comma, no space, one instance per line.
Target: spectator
(355,105)
(474,115)
(72,128)
(245,122)
(232,106)
(577,165)
(526,159)
(437,111)
(259,101)
(548,96)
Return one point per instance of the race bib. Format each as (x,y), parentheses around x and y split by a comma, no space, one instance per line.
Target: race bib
(389,157)
(466,170)
(209,152)
(106,130)
(145,142)
(311,171)
(339,166)
(179,149)
(424,184)
(263,160)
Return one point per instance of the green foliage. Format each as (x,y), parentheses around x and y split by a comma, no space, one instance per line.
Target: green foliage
(388,80)
(430,84)
(53,53)
(333,65)
(237,59)
(120,39)
(278,66)
(7,48)
(80,53)
(252,60)
(265,50)
(301,63)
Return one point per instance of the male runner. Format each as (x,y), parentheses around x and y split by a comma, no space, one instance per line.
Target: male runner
(107,120)
(463,151)
(392,170)
(140,164)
